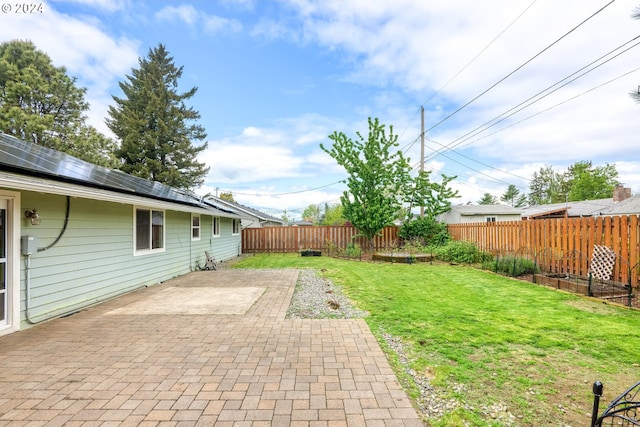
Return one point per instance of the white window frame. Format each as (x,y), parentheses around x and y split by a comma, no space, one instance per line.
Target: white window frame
(196,229)
(215,230)
(150,250)
(235,227)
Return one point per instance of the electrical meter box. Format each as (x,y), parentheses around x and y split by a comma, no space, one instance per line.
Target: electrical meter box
(28,245)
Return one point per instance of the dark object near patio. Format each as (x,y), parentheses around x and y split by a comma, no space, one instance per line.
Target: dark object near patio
(309,252)
(211,263)
(624,410)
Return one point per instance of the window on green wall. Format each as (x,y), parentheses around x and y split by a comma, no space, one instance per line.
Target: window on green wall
(149,230)
(215,228)
(236,226)
(195,227)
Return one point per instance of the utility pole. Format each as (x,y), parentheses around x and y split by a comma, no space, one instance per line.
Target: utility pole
(421,150)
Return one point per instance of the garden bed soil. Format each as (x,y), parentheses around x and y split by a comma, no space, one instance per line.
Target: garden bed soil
(401,257)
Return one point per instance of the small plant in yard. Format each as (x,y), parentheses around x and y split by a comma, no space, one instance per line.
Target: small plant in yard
(512,266)
(353,250)
(331,248)
(411,247)
(461,252)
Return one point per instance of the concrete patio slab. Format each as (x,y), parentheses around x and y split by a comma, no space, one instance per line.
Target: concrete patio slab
(195,300)
(135,360)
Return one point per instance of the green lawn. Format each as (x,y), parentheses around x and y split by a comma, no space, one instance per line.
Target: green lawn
(489,341)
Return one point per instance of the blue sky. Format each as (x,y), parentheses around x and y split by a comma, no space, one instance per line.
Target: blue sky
(275,78)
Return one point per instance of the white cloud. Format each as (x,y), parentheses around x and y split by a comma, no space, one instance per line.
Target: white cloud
(189,15)
(216,24)
(273,30)
(184,13)
(288,149)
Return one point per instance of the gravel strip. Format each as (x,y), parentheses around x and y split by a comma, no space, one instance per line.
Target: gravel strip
(318,298)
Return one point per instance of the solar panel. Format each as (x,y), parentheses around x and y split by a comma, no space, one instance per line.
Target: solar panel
(22,156)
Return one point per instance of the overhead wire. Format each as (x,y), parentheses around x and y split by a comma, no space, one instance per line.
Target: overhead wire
(540,95)
(519,67)
(289,192)
(464,67)
(480,53)
(558,104)
(522,120)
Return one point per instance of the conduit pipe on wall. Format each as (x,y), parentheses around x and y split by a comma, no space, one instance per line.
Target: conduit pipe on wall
(28,269)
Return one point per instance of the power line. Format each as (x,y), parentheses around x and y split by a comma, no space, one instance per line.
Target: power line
(480,53)
(477,161)
(289,192)
(504,30)
(522,120)
(557,105)
(541,94)
(519,67)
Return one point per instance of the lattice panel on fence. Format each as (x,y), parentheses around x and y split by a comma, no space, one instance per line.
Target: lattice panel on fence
(602,262)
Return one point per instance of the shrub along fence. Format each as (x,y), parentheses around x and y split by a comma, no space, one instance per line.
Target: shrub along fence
(295,239)
(562,245)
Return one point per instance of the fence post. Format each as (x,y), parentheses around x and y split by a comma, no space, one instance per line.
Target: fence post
(597,393)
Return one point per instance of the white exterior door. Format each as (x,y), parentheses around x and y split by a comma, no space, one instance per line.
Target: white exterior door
(4,265)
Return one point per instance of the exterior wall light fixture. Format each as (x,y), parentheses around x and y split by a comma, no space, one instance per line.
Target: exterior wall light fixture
(33,216)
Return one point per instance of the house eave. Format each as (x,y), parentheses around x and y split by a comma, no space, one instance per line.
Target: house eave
(43,185)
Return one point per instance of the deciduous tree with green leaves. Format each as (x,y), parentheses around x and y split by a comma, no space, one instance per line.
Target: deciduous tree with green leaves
(312,213)
(379,179)
(41,103)
(155,128)
(228,196)
(333,214)
(434,196)
(590,183)
(581,181)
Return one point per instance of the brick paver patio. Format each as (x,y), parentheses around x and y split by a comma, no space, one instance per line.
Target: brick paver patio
(149,358)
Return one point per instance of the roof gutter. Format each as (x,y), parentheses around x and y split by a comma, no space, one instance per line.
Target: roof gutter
(21,182)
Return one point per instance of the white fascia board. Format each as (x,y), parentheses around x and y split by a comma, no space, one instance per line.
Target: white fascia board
(41,185)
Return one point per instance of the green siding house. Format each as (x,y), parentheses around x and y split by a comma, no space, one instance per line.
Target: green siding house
(73,234)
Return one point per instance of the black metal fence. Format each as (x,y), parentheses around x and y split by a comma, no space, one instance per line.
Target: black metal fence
(550,268)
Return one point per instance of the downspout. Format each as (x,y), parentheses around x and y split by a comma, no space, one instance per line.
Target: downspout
(28,267)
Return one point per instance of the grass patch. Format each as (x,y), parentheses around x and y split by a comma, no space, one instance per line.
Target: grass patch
(507,342)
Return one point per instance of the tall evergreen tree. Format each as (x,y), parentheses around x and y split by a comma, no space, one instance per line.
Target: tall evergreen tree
(547,186)
(488,199)
(513,197)
(40,103)
(155,127)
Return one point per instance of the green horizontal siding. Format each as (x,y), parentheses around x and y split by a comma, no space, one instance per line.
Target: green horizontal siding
(94,260)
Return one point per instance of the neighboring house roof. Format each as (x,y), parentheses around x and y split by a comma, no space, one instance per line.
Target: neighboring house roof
(469,210)
(245,212)
(32,167)
(573,209)
(303,223)
(630,206)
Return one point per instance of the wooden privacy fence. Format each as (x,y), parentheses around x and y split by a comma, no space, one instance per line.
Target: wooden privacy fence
(294,239)
(562,245)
